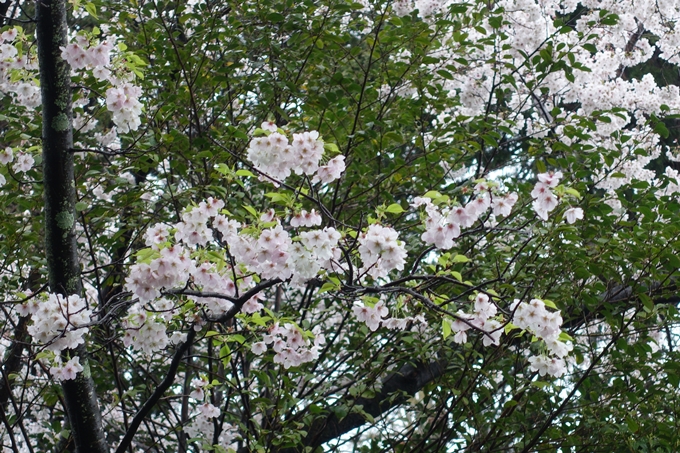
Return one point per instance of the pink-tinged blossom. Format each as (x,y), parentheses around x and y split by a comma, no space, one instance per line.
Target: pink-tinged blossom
(544,199)
(67,371)
(402,7)
(268,216)
(74,55)
(271,155)
(540,189)
(71,369)
(208,410)
(441,235)
(178,337)
(551,179)
(142,282)
(253,304)
(482,188)
(331,171)
(99,55)
(6,156)
(479,205)
(307,219)
(157,235)
(59,322)
(573,214)
(227,227)
(307,150)
(101,73)
(269,126)
(465,217)
(380,251)
(540,364)
(547,365)
(421,201)
(461,323)
(545,203)
(259,348)
(558,348)
(503,205)
(9,35)
(396,323)
(292,348)
(24,162)
(123,102)
(210,207)
(483,307)
(197,394)
(147,331)
(371,316)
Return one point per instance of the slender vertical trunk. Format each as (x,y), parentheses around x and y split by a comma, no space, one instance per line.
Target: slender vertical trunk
(59,187)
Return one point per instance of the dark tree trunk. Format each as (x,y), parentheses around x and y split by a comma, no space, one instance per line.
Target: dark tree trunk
(60,196)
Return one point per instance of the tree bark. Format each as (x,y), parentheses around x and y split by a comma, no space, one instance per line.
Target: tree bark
(60,196)
(396,389)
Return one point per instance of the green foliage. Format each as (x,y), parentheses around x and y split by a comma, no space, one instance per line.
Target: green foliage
(384,92)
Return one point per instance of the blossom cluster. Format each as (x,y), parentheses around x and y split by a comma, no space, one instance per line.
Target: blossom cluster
(442,226)
(146,330)
(24,162)
(122,98)
(277,158)
(375,315)
(176,256)
(480,318)
(202,426)
(14,60)
(380,251)
(545,325)
(59,323)
(65,371)
(545,199)
(81,54)
(292,347)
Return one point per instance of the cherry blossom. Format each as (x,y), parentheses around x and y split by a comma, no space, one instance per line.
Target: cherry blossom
(573,214)
(380,251)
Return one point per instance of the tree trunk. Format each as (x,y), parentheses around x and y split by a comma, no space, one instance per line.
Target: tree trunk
(60,196)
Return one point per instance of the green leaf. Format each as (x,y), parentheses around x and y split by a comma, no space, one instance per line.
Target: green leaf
(564,337)
(251,210)
(238,338)
(225,354)
(91,9)
(331,148)
(276,17)
(394,208)
(460,259)
(549,303)
(573,192)
(446,329)
(432,194)
(661,129)
(245,173)
(328,286)
(540,166)
(509,327)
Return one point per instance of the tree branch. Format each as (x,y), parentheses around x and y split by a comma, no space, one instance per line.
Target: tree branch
(396,390)
(158,393)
